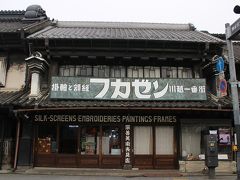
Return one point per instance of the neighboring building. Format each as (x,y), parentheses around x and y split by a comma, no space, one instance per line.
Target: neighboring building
(15,26)
(121,95)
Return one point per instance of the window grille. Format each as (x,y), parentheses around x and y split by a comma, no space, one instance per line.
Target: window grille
(104,71)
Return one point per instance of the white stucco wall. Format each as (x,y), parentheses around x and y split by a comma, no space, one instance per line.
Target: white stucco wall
(16,73)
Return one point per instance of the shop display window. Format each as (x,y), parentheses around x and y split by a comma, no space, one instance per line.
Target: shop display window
(193,145)
(46,140)
(225,142)
(89,140)
(224,136)
(111,141)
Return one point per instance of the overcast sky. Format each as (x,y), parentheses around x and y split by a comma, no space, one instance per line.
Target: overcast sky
(209,15)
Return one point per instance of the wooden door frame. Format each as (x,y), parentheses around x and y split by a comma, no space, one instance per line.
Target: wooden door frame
(175,151)
(145,156)
(121,127)
(154,155)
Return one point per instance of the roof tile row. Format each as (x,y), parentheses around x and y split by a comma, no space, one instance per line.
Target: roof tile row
(21,99)
(134,31)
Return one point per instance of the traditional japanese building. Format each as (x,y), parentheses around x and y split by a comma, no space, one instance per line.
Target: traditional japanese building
(122,95)
(15,26)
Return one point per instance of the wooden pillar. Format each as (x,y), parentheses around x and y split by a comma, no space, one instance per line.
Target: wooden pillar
(34,142)
(100,147)
(79,145)
(17,144)
(127,148)
(25,142)
(58,140)
(154,145)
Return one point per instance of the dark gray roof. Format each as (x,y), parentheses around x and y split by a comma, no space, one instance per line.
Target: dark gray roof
(124,30)
(12,21)
(11,15)
(21,100)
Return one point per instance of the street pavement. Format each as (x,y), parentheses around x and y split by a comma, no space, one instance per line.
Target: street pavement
(39,173)
(74,177)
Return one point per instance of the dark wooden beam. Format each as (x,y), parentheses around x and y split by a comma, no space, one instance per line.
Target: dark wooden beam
(110,57)
(122,49)
(127,55)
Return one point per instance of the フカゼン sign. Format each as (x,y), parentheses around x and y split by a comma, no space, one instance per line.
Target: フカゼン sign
(127,88)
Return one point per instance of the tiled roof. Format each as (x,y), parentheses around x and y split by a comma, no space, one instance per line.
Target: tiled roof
(11,15)
(12,26)
(21,100)
(8,97)
(121,30)
(11,21)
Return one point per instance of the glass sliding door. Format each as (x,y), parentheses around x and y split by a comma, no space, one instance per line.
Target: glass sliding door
(143,141)
(68,139)
(111,141)
(89,147)
(46,146)
(164,140)
(89,140)
(143,147)
(164,147)
(68,145)
(111,147)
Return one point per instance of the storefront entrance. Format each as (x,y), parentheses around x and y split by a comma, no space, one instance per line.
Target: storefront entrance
(154,147)
(78,146)
(112,141)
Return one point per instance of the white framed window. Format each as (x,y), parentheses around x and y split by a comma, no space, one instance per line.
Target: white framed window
(83,70)
(152,72)
(3,71)
(101,71)
(184,72)
(117,72)
(135,72)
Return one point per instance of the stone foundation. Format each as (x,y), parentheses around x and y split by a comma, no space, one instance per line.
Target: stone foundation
(199,167)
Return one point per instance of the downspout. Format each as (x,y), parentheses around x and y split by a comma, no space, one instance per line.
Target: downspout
(17,141)
(27,78)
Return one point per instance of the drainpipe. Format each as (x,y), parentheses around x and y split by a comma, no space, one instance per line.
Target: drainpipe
(17,141)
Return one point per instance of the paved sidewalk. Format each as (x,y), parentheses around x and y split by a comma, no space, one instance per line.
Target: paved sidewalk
(103,172)
(163,174)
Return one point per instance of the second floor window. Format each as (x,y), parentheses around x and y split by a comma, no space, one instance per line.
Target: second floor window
(101,71)
(117,72)
(78,70)
(104,71)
